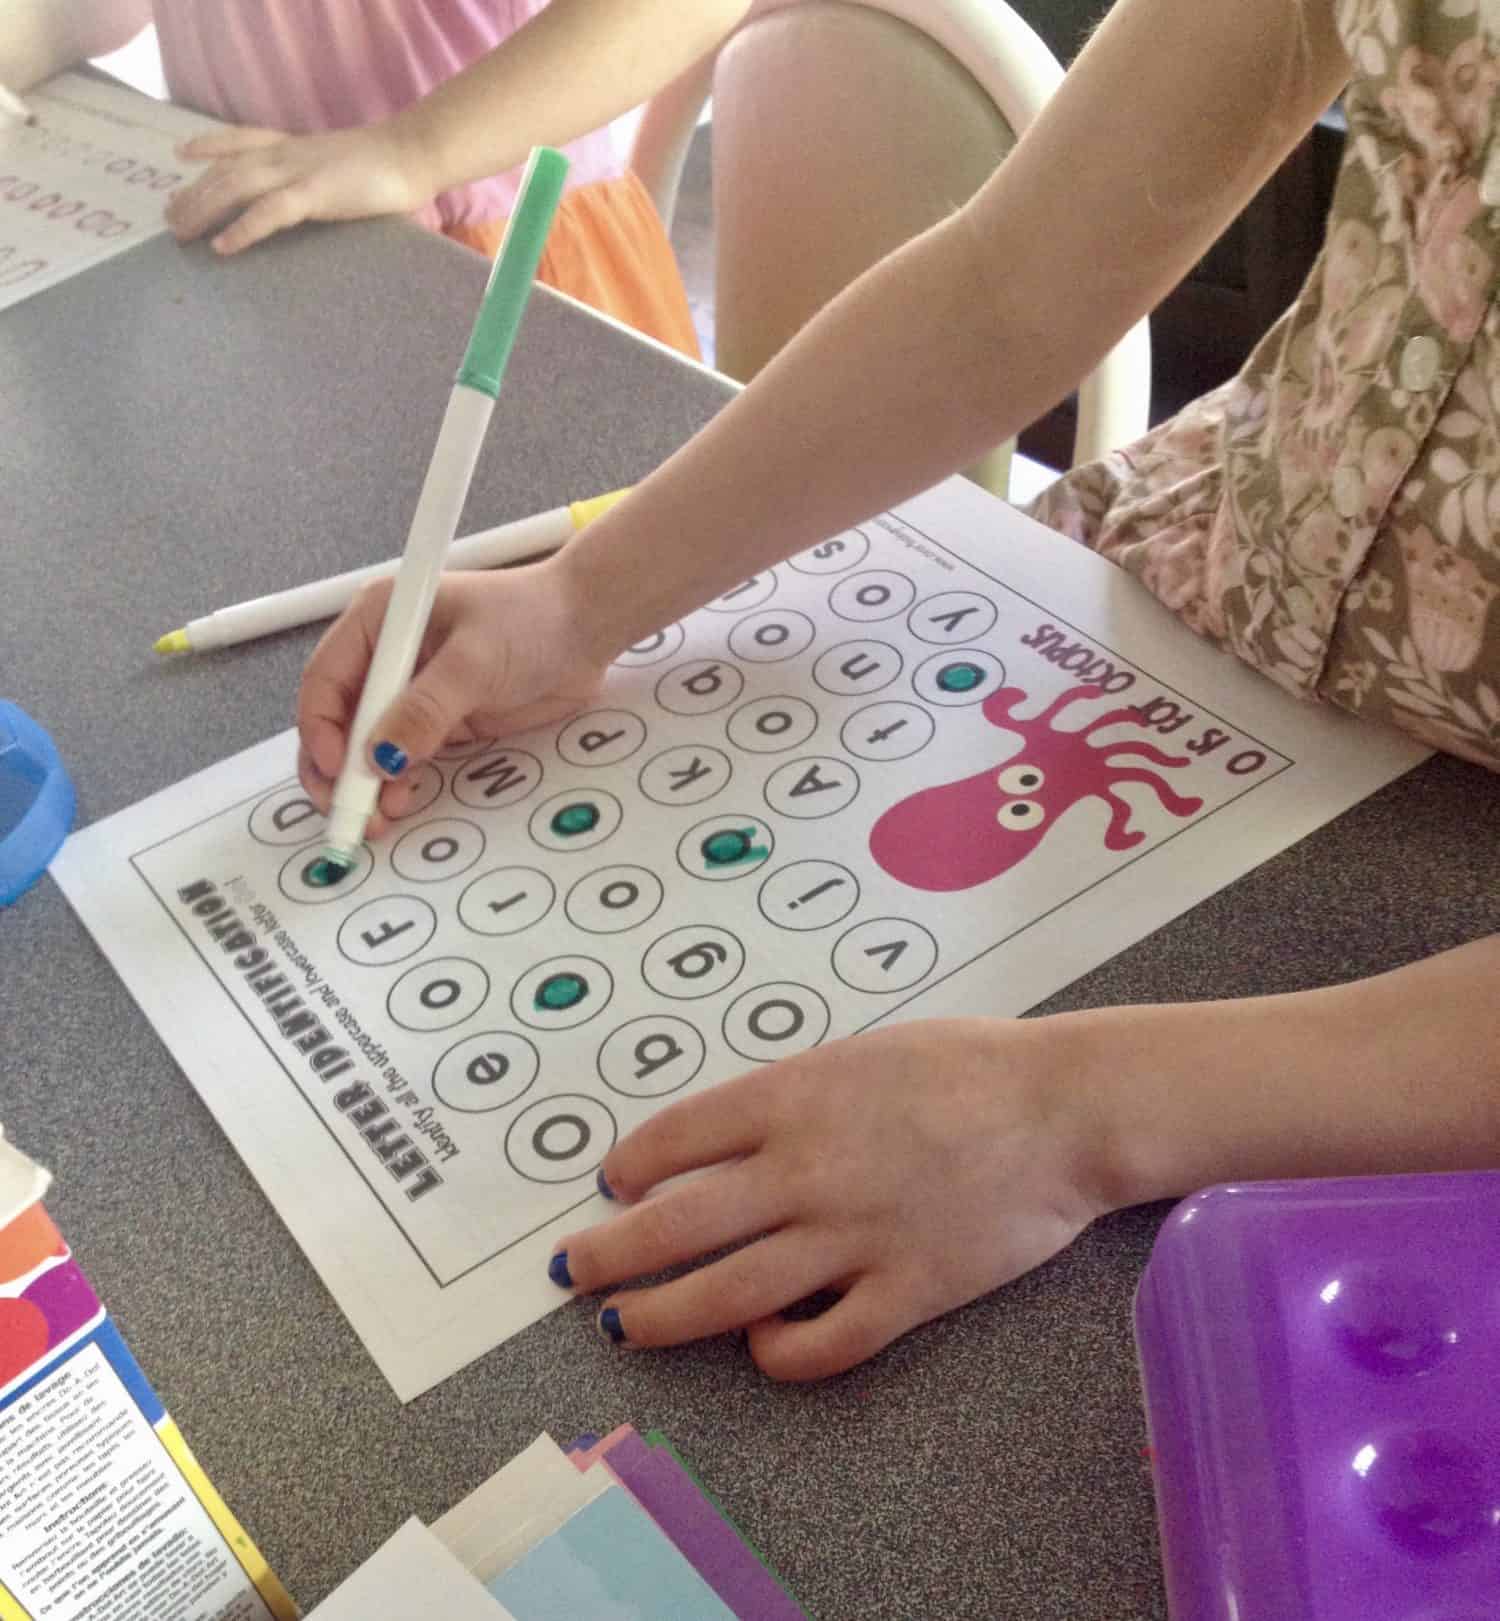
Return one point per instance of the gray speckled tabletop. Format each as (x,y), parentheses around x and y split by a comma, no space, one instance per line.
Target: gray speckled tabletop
(176,434)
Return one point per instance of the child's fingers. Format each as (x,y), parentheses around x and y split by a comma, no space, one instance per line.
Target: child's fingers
(334,677)
(751,1284)
(720,1124)
(429,712)
(226,188)
(317,786)
(865,1321)
(678,1225)
(224,143)
(279,210)
(324,711)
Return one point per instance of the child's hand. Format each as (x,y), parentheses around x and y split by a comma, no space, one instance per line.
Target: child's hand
(272,181)
(911,1169)
(503,653)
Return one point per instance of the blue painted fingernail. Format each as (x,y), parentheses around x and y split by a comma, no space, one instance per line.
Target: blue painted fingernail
(604,1186)
(557,1270)
(611,1327)
(390,759)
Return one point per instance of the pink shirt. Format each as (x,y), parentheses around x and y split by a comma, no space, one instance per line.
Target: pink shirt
(306,65)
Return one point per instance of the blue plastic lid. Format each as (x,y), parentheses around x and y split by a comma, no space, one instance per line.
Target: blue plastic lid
(36,802)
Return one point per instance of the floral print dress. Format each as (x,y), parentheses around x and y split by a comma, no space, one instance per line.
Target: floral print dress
(1332,515)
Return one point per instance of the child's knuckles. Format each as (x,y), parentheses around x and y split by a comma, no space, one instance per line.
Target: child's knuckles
(421,720)
(370,599)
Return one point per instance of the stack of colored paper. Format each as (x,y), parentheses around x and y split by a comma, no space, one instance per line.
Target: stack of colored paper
(614,1529)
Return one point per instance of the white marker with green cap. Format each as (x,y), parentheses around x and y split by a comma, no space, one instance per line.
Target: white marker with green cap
(441,502)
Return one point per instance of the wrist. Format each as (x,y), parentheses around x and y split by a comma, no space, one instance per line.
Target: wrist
(1396,1073)
(606,594)
(1179,1096)
(415,138)
(1095,1106)
(583,623)
(1131,1085)
(1062,1069)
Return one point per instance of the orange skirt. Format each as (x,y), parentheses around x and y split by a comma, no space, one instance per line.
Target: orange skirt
(608,248)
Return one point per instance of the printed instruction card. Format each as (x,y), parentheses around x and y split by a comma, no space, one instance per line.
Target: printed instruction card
(105,1515)
(86,180)
(941,764)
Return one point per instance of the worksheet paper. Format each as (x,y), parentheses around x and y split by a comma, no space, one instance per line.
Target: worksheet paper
(88,179)
(942,764)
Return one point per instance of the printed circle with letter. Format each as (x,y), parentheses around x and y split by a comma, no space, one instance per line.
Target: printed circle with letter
(725,847)
(770,637)
(833,556)
(601,737)
(425,787)
(952,616)
(286,816)
(769,725)
(614,899)
(885,954)
(437,850)
(749,593)
(577,819)
(656,647)
(809,895)
(875,594)
(496,779)
(562,992)
(851,669)
(699,687)
(890,730)
(506,900)
(690,963)
(774,1021)
(485,1072)
(686,775)
(437,995)
(818,785)
(293,881)
(650,1057)
(560,1139)
(967,675)
(387,930)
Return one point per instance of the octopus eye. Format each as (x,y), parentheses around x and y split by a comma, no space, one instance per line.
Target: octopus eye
(1021,815)
(1020,779)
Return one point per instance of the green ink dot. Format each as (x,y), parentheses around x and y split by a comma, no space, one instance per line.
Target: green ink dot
(959,677)
(571,820)
(731,845)
(558,992)
(323,872)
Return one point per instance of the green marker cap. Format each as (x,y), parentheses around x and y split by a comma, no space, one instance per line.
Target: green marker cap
(499,317)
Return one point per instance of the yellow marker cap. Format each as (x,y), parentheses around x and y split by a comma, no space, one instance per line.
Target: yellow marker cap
(584,512)
(175,641)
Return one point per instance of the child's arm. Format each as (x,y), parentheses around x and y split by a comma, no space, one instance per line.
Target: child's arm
(947,346)
(41,37)
(920,1166)
(571,70)
(1172,117)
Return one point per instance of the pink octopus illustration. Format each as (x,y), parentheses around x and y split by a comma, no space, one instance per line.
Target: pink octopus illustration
(964,833)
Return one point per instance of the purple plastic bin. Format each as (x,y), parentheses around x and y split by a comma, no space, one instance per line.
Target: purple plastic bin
(1321,1364)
